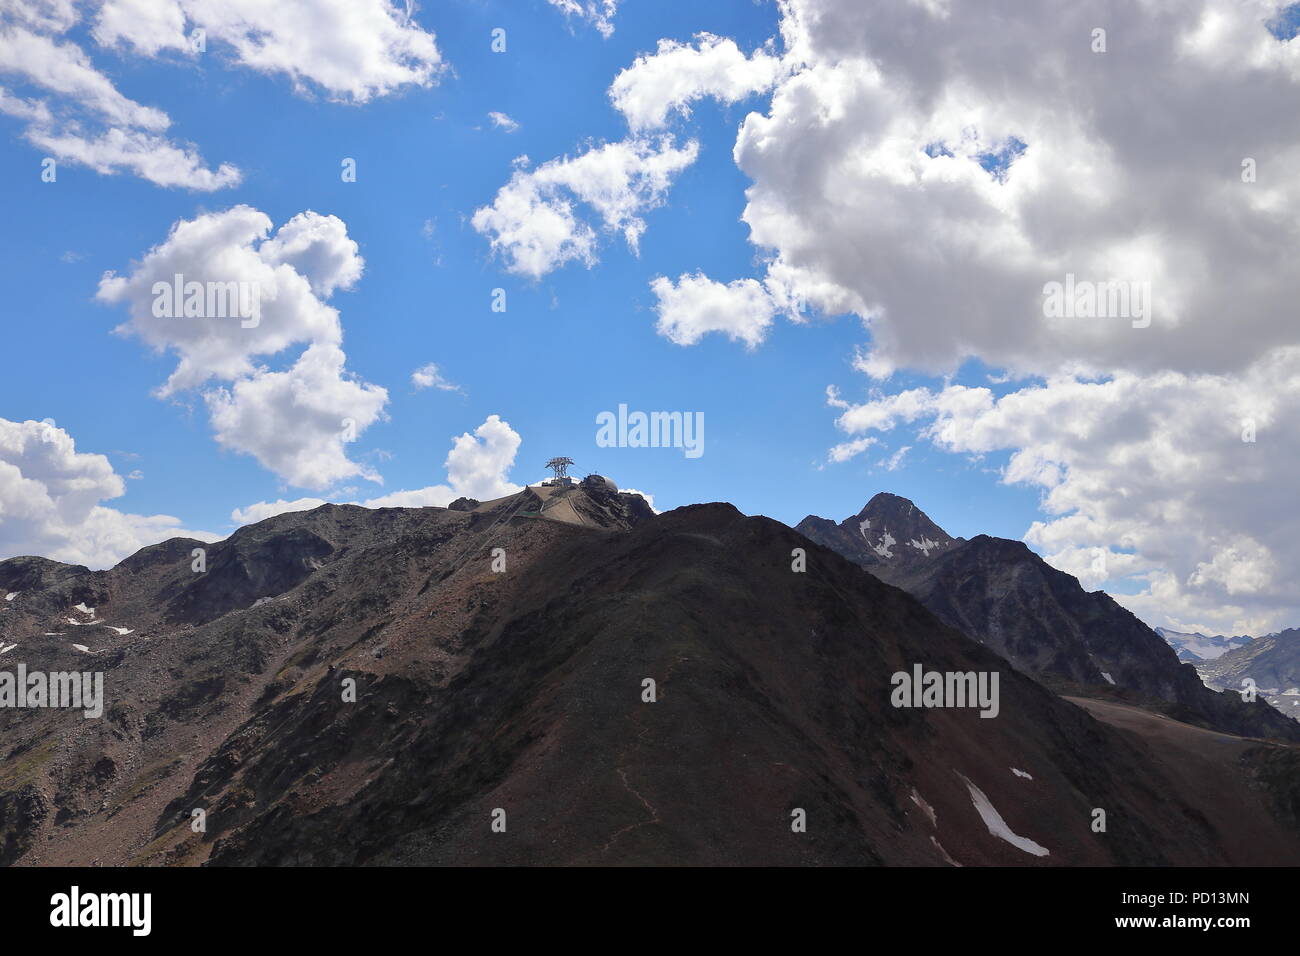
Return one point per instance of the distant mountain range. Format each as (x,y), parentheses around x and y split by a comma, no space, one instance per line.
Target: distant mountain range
(1272,662)
(1198,647)
(563,677)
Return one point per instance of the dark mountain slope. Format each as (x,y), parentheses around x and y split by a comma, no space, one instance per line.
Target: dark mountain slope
(1012,601)
(522,690)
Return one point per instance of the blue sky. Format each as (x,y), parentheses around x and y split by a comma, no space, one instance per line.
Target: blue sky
(574,343)
(673,180)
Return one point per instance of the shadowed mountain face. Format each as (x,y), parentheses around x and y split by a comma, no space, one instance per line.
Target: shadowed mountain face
(349,686)
(1042,621)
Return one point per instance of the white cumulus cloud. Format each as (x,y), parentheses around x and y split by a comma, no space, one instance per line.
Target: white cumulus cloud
(695,305)
(677,74)
(262,510)
(296,422)
(935,188)
(1178,482)
(429,376)
(73,112)
(51,502)
(351,50)
(233,246)
(477,467)
(502,121)
(532,222)
(599,13)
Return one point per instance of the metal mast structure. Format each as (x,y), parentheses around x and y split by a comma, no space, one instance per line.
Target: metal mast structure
(561,468)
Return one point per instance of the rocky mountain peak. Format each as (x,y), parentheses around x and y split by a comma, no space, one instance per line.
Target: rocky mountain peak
(888,531)
(890,524)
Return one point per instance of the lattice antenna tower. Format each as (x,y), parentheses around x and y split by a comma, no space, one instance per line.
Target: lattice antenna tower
(560,466)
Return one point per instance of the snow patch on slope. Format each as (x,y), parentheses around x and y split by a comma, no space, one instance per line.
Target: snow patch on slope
(886,539)
(925,807)
(997,826)
(938,846)
(925,545)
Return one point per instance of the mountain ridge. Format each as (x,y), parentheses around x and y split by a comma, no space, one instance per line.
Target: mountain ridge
(1193,646)
(522,690)
(1271,661)
(1003,595)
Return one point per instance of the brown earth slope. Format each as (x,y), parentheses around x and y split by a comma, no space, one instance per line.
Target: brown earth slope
(522,690)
